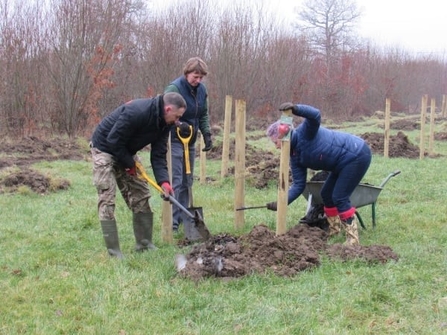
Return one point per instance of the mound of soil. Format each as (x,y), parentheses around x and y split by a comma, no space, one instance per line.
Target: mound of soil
(441,136)
(405,124)
(261,251)
(399,145)
(36,181)
(29,150)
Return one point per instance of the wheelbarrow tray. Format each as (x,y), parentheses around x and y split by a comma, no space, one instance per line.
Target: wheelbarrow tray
(364,194)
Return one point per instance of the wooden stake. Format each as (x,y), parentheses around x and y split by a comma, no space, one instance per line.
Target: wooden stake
(166,211)
(202,161)
(239,169)
(443,107)
(226,136)
(386,142)
(422,134)
(283,182)
(432,127)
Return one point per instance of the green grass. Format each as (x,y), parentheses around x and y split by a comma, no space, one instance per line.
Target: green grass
(56,277)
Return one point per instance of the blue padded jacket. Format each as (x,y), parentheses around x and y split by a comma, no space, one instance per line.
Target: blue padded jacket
(318,148)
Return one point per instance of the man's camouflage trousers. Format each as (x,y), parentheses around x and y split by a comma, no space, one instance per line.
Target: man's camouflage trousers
(107,175)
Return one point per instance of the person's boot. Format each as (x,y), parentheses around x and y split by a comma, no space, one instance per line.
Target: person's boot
(142,228)
(110,234)
(352,234)
(334,225)
(333,220)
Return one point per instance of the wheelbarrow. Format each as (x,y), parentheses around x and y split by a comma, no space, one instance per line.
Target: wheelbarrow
(363,195)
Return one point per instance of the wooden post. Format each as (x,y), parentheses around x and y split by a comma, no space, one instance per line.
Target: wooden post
(166,214)
(386,142)
(226,136)
(422,134)
(239,169)
(432,126)
(283,182)
(202,160)
(443,106)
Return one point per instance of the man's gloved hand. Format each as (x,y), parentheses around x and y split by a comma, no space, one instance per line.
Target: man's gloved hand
(184,130)
(208,142)
(167,189)
(288,105)
(131,171)
(273,206)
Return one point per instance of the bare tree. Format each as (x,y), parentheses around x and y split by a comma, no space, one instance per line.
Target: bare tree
(66,63)
(21,92)
(183,30)
(83,42)
(328,24)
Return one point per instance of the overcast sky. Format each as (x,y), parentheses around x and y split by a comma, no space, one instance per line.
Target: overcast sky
(417,26)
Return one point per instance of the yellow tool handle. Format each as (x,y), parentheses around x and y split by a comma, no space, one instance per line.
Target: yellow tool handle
(143,173)
(185,141)
(187,164)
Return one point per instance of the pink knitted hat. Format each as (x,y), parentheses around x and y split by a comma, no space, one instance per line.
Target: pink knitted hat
(272,130)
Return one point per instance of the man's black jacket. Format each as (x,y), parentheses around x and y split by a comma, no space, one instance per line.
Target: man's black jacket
(130,128)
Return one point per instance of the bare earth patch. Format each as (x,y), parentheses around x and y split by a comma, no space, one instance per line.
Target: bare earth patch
(36,181)
(223,256)
(261,251)
(20,154)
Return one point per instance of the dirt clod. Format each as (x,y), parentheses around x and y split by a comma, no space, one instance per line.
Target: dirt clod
(20,154)
(262,251)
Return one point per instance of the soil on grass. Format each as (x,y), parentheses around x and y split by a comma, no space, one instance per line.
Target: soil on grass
(262,165)
(299,249)
(16,158)
(224,256)
(262,251)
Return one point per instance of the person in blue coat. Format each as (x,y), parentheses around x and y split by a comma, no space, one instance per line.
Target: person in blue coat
(345,156)
(195,118)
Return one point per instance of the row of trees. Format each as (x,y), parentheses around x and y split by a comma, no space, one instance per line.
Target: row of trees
(66,63)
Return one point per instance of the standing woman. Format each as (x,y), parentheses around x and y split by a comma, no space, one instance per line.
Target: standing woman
(195,118)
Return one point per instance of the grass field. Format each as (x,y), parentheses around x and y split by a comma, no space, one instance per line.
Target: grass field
(56,276)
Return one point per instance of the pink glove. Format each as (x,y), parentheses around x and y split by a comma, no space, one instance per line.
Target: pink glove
(167,189)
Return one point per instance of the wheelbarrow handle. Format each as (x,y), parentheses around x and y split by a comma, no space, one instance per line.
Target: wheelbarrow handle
(392,174)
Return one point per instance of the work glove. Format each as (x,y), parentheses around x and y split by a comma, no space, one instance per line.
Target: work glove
(288,105)
(184,130)
(208,142)
(131,171)
(168,190)
(273,206)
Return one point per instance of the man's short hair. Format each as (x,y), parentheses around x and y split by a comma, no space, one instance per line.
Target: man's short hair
(174,98)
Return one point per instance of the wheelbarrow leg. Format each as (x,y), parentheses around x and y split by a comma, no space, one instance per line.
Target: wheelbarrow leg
(373,210)
(360,219)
